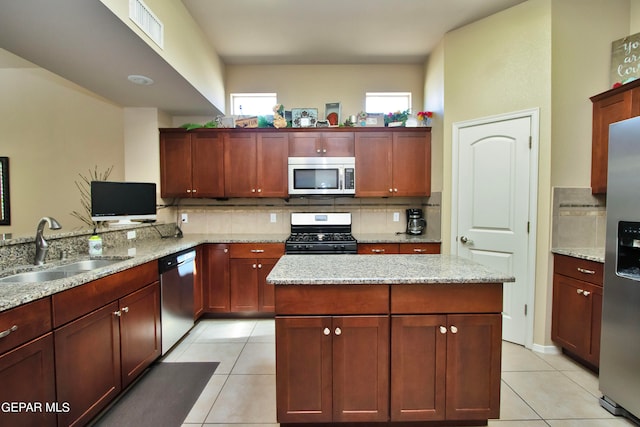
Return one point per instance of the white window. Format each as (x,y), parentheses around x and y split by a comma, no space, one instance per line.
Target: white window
(387,102)
(253,104)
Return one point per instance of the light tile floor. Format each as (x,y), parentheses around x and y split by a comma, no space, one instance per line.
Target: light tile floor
(538,390)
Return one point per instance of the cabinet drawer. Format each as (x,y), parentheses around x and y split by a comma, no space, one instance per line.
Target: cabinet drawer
(24,323)
(447,298)
(76,302)
(581,269)
(377,248)
(256,250)
(332,299)
(419,248)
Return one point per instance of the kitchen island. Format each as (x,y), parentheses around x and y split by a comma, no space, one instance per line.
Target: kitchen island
(394,340)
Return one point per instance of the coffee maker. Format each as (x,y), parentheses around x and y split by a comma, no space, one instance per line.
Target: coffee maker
(416,224)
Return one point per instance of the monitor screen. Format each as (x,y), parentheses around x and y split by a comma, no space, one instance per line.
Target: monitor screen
(123,201)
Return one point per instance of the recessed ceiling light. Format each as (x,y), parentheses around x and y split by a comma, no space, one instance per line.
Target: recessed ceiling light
(140,80)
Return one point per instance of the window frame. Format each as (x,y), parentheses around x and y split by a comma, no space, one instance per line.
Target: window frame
(233,97)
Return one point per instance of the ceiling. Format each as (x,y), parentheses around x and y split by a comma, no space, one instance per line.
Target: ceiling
(85,43)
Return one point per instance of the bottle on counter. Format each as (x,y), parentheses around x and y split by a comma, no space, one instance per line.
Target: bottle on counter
(95,244)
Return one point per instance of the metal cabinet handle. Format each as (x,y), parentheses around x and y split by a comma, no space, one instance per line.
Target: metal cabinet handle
(254,266)
(188,190)
(391,190)
(125,309)
(259,265)
(259,190)
(118,313)
(194,190)
(338,331)
(257,251)
(326,331)
(8,331)
(324,150)
(418,250)
(377,251)
(395,190)
(585,271)
(318,150)
(454,330)
(443,330)
(253,190)
(586,293)
(226,250)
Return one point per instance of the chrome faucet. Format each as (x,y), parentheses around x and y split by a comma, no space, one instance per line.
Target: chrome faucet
(41,245)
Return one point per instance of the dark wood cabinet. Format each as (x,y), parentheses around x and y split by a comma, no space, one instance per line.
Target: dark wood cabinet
(256,164)
(609,107)
(393,164)
(27,376)
(344,361)
(191,164)
(321,144)
(398,248)
(107,332)
(199,281)
(249,265)
(577,307)
(217,291)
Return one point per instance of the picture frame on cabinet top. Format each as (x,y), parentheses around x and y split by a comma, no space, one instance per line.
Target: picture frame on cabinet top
(304,117)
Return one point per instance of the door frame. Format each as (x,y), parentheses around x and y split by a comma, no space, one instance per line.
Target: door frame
(534,115)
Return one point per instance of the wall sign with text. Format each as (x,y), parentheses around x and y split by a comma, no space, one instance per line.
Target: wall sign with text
(625,59)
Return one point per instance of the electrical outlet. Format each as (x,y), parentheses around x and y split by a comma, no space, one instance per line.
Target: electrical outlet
(184,218)
(273,217)
(131,234)
(396,217)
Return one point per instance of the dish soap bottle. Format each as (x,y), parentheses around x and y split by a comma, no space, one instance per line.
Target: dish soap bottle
(95,244)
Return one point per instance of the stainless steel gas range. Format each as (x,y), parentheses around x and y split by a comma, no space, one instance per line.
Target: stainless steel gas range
(321,233)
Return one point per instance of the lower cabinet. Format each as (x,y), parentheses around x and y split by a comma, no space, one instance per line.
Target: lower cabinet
(445,367)
(99,354)
(217,292)
(398,248)
(27,377)
(332,368)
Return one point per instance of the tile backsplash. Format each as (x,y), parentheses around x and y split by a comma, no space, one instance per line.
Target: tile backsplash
(579,218)
(240,216)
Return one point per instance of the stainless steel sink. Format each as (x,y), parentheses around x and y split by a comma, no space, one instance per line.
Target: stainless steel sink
(86,265)
(36,276)
(59,272)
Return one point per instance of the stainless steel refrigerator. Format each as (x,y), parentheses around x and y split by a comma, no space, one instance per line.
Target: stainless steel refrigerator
(620,339)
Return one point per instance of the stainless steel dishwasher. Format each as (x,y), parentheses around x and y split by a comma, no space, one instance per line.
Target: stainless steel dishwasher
(176,296)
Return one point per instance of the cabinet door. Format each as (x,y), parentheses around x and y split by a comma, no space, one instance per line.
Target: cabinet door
(605,111)
(418,367)
(373,165)
(240,164)
(207,151)
(360,368)
(573,315)
(272,177)
(411,164)
(216,279)
(243,275)
(266,291)
(87,359)
(304,366)
(175,164)
(140,334)
(27,375)
(338,144)
(305,144)
(474,349)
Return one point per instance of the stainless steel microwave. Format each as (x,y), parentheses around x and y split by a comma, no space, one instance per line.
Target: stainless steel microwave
(322,175)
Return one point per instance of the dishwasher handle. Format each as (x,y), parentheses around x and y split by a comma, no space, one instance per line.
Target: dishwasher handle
(175,260)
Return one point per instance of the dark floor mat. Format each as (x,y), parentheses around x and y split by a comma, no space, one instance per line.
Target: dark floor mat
(163,397)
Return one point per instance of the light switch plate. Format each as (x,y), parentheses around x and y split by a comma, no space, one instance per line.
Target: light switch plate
(273,217)
(131,234)
(184,218)
(396,217)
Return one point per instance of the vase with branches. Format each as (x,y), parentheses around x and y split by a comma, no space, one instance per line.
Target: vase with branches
(84,186)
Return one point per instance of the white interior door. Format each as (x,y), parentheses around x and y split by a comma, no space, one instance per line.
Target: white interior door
(493,208)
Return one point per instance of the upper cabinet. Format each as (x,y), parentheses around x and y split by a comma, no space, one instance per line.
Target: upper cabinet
(609,107)
(393,164)
(191,164)
(321,144)
(221,163)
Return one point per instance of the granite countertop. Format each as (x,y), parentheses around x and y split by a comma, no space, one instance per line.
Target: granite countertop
(393,238)
(375,269)
(131,255)
(591,254)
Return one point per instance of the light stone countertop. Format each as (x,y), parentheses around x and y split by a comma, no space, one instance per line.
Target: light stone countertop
(131,255)
(591,254)
(381,269)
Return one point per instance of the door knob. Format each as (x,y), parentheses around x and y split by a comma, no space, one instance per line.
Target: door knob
(465,240)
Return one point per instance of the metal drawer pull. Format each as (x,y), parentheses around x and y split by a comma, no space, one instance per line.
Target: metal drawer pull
(125,309)
(326,331)
(419,250)
(257,251)
(338,331)
(118,313)
(583,292)
(585,271)
(454,330)
(586,293)
(8,331)
(443,330)
(377,251)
